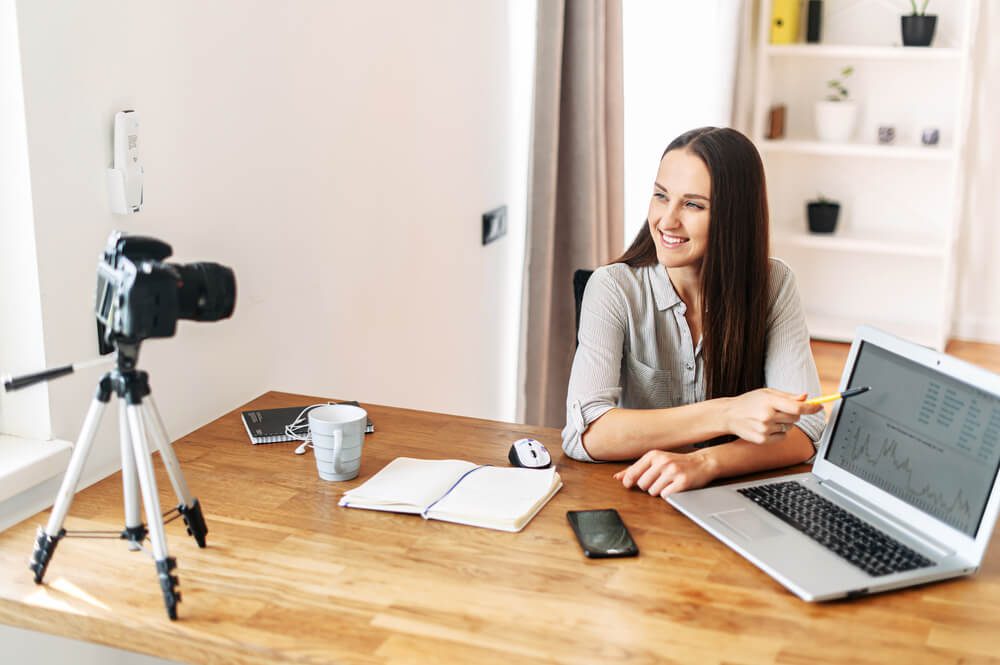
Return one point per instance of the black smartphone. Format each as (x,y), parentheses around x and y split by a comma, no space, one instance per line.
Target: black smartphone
(601,533)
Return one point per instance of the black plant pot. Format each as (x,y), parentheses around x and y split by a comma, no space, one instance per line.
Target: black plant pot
(918,30)
(823,216)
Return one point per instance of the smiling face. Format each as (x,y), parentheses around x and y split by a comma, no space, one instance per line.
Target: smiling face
(679,210)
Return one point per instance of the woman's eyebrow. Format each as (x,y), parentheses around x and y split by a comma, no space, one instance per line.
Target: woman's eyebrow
(687,196)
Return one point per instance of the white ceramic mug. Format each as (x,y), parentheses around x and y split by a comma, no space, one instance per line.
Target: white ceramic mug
(338,433)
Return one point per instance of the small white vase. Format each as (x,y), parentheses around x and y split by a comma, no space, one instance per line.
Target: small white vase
(835,120)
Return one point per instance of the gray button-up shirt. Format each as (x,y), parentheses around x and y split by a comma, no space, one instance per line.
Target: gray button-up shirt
(635,349)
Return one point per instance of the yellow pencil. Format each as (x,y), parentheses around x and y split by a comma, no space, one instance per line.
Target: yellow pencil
(835,396)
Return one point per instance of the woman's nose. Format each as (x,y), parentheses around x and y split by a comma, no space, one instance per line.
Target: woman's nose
(668,217)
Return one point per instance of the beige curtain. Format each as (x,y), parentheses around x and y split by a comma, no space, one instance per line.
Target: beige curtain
(747,14)
(576,202)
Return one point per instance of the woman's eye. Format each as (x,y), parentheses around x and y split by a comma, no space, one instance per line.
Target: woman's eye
(660,196)
(696,206)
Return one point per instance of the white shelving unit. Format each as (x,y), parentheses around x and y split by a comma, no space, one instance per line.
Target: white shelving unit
(892,260)
(857,149)
(863,52)
(865,245)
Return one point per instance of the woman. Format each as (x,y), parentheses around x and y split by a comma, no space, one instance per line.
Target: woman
(679,337)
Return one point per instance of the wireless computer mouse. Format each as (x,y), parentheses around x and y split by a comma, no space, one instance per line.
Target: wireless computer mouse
(530,454)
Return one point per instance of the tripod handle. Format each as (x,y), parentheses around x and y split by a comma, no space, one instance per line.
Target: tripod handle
(16,383)
(25,380)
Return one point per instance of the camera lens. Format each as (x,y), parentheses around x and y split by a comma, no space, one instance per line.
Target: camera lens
(206,292)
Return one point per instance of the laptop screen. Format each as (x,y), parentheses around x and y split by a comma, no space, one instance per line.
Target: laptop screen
(927,439)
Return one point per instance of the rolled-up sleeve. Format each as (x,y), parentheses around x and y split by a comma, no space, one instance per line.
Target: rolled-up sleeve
(595,379)
(789,364)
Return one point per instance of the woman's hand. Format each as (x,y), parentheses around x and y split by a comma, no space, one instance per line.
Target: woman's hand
(765,415)
(662,473)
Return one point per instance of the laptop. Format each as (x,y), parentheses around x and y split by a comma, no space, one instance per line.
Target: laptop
(904,489)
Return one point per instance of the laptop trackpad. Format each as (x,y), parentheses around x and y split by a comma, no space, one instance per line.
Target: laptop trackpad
(746,524)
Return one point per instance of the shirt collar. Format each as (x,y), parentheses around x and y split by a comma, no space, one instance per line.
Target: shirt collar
(663,289)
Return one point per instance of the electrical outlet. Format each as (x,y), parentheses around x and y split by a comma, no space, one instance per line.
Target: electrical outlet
(494,224)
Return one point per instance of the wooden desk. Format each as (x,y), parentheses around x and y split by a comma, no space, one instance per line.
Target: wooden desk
(291,577)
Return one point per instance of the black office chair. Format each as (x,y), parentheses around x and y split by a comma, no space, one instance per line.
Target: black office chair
(580,278)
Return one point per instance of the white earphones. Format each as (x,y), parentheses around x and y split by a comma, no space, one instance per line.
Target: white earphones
(298,430)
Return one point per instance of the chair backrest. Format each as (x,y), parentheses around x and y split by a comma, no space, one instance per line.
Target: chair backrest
(580,278)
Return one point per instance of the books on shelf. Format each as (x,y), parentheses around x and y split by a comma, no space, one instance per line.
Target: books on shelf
(492,497)
(271,425)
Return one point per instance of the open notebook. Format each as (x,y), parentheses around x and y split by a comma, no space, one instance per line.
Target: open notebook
(504,498)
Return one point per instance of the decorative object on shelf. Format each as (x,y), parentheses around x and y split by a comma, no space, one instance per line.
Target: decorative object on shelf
(886,134)
(918,27)
(776,122)
(785,22)
(822,214)
(930,136)
(835,115)
(814,21)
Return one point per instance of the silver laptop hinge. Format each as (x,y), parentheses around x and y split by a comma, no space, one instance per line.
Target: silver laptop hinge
(932,545)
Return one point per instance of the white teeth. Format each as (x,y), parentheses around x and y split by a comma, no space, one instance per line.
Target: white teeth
(672,240)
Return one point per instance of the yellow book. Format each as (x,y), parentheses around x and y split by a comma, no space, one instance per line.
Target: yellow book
(785,21)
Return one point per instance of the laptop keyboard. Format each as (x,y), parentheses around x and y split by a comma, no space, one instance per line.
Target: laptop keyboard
(834,528)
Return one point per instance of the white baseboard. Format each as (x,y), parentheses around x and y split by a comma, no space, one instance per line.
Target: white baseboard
(42,495)
(28,647)
(978,329)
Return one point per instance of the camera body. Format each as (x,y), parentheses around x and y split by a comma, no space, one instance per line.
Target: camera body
(139,296)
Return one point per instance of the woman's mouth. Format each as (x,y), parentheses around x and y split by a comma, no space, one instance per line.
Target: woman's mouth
(671,242)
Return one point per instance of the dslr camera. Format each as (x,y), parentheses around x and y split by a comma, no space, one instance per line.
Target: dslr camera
(139,296)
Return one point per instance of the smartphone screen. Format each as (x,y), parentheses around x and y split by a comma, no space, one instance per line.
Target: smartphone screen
(601,533)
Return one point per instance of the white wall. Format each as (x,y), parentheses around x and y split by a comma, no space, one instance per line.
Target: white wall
(26,413)
(678,73)
(338,155)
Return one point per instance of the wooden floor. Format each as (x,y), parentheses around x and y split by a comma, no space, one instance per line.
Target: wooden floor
(830,357)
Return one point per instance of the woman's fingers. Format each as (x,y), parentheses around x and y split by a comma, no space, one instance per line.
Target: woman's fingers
(668,477)
(674,486)
(631,474)
(648,477)
(796,404)
(662,473)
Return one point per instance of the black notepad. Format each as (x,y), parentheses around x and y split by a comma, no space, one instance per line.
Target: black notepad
(268,425)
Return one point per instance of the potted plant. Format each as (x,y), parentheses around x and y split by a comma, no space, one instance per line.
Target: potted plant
(822,214)
(836,114)
(918,27)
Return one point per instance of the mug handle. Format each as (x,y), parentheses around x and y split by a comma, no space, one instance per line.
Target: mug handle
(338,445)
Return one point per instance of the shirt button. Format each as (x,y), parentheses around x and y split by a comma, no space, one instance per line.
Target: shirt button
(689,366)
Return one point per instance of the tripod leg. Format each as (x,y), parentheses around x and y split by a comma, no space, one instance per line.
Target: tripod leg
(189,507)
(48,538)
(135,530)
(151,500)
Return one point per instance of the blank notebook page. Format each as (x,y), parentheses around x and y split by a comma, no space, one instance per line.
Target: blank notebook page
(412,482)
(497,492)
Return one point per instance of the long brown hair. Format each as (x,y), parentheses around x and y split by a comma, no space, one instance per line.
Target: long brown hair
(734,275)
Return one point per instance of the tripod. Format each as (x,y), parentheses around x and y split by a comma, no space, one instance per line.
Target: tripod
(138,418)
